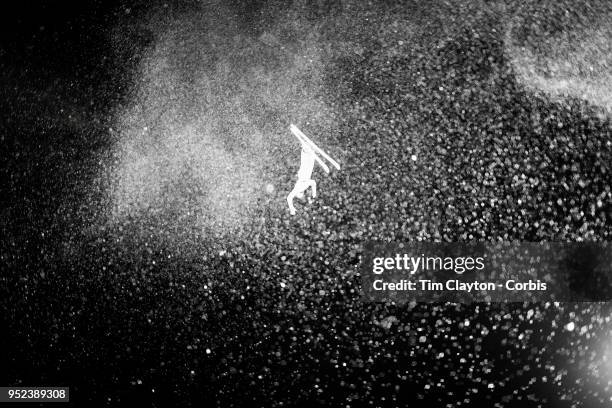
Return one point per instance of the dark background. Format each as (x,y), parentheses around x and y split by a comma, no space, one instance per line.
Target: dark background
(123,318)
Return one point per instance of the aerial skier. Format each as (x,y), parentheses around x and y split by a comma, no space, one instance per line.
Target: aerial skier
(309,155)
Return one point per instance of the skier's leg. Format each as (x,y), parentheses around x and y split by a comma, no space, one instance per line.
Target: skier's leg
(313,185)
(290,202)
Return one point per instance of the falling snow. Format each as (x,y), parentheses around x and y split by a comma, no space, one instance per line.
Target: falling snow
(149,251)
